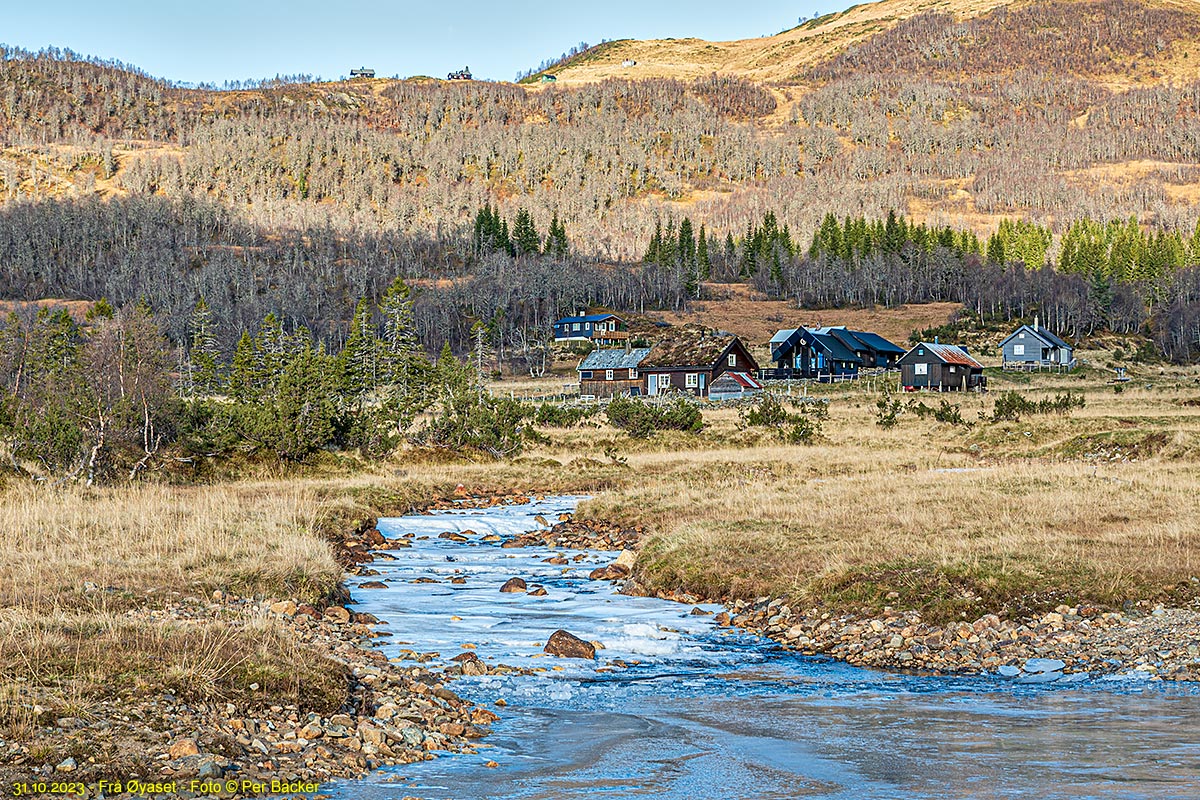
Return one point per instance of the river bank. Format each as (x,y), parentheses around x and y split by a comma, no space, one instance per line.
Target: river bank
(1147,638)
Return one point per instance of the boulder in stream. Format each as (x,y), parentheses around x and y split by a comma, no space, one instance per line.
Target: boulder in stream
(513,585)
(568,645)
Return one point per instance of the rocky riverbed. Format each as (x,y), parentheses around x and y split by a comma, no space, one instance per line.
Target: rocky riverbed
(399,711)
(1071,640)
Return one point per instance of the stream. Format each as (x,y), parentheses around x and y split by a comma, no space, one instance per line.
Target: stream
(705,712)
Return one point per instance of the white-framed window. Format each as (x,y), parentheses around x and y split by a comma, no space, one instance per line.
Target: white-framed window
(693,380)
(633,376)
(733,359)
(586,376)
(1021,335)
(1019,349)
(575,326)
(954,369)
(608,374)
(920,369)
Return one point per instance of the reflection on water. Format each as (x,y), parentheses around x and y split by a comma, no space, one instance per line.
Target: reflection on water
(702,712)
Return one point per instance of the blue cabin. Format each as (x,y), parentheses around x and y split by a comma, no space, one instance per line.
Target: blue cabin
(875,351)
(602,330)
(805,353)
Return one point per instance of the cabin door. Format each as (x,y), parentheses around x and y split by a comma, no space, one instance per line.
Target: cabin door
(652,385)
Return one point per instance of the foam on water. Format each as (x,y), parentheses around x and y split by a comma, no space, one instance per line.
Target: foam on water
(698,711)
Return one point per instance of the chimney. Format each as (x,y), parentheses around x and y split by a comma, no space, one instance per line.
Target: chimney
(935,340)
(1036,326)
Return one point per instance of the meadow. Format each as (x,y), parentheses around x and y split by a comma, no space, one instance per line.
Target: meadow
(954,519)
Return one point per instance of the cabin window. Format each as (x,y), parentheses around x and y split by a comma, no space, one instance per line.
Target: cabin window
(693,380)
(1018,349)
(587,376)
(733,359)
(575,327)
(921,351)
(1020,335)
(608,374)
(954,369)
(920,369)
(633,376)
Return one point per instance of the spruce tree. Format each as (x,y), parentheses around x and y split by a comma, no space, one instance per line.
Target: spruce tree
(203,353)
(526,239)
(703,263)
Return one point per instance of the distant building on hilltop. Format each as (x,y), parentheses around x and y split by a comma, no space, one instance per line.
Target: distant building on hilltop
(463,74)
(362,72)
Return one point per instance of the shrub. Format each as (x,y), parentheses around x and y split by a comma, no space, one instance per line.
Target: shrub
(1012,405)
(641,420)
(945,412)
(794,428)
(554,415)
(888,415)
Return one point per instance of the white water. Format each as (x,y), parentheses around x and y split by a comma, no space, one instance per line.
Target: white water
(701,712)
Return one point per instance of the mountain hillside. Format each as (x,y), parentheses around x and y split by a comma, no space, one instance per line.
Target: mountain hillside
(1120,42)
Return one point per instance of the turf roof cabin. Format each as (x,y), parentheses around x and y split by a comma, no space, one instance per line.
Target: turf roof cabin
(602,330)
(692,361)
(941,368)
(611,373)
(1034,347)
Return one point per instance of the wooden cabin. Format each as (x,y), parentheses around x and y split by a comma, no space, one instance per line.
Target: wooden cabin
(602,330)
(611,373)
(362,72)
(809,354)
(691,362)
(1032,347)
(941,368)
(875,351)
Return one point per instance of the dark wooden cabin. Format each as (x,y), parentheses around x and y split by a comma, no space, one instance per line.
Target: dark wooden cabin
(941,368)
(690,363)
(611,373)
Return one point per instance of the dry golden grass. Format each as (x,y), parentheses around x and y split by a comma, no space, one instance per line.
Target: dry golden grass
(86,578)
(1098,506)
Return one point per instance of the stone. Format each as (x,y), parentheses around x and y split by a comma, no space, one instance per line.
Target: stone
(1040,665)
(513,585)
(567,645)
(337,614)
(208,768)
(373,585)
(284,608)
(182,748)
(538,592)
(626,559)
(452,536)
(67,765)
(1009,671)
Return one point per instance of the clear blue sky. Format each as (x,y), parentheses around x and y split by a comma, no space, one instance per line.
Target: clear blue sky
(219,40)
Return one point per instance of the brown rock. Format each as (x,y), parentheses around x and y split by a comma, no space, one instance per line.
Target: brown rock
(373,585)
(452,536)
(568,645)
(538,592)
(182,748)
(513,585)
(284,608)
(337,614)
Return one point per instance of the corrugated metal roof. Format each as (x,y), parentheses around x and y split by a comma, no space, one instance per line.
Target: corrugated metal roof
(950,354)
(588,318)
(612,358)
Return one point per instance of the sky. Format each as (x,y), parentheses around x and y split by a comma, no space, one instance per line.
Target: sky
(214,41)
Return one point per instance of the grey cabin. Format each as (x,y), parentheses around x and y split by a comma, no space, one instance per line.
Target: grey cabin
(1033,347)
